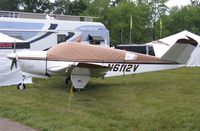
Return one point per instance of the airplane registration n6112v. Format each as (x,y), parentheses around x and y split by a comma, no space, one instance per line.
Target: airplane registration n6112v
(79,62)
(123,67)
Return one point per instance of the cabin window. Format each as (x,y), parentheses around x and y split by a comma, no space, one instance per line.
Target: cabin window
(61,38)
(138,49)
(96,40)
(143,49)
(151,51)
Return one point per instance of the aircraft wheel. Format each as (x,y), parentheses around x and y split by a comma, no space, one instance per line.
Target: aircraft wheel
(21,86)
(77,90)
(68,81)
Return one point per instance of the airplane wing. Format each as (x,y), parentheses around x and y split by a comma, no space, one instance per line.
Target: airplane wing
(80,73)
(60,68)
(96,69)
(57,69)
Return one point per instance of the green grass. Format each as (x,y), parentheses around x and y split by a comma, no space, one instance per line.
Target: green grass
(167,100)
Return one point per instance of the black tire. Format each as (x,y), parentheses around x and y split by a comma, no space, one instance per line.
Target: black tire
(77,90)
(21,86)
(68,81)
(74,89)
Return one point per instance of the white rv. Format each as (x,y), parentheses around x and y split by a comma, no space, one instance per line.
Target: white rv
(44,33)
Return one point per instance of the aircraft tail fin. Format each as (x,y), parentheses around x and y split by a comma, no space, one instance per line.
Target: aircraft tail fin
(181,51)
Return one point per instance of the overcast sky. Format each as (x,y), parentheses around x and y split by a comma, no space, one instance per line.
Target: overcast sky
(179,3)
(170,3)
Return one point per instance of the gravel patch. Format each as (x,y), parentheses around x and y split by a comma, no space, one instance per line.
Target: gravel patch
(7,125)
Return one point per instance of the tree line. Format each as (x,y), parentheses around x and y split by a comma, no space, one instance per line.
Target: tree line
(147,20)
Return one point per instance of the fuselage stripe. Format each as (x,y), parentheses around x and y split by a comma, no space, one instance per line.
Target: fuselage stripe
(82,61)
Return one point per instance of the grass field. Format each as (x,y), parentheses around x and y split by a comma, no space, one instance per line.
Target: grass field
(167,100)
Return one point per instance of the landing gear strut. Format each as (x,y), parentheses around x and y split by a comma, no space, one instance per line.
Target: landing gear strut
(21,86)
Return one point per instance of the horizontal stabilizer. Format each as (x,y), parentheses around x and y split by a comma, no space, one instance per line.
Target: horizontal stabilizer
(181,51)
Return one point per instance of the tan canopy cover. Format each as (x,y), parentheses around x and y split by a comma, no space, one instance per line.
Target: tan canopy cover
(91,53)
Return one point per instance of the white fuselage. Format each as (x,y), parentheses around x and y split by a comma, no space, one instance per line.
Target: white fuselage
(35,62)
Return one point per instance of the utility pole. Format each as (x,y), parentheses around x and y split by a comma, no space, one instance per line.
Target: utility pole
(131,26)
(161,27)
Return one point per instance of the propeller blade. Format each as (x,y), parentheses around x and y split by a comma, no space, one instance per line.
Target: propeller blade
(15,63)
(12,64)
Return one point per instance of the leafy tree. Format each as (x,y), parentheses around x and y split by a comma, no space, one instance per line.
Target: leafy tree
(195,3)
(77,7)
(9,5)
(44,6)
(114,3)
(157,10)
(97,7)
(119,22)
(39,6)
(186,18)
(61,6)
(116,17)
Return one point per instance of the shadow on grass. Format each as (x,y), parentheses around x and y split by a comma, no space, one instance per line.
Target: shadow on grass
(100,86)
(58,83)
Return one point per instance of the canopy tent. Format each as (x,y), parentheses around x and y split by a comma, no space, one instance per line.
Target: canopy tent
(162,45)
(8,77)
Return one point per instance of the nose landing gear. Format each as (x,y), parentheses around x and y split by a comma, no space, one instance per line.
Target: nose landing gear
(21,86)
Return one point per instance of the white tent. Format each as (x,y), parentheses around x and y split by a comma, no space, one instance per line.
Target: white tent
(8,77)
(162,45)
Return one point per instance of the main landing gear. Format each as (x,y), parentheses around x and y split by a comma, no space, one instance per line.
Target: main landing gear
(68,82)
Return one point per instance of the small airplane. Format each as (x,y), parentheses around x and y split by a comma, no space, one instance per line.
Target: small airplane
(79,62)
